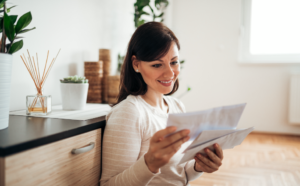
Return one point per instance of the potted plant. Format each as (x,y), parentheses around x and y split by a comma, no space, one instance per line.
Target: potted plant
(10,29)
(74,91)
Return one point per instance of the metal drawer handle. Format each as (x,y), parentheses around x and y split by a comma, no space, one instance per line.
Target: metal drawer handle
(84,149)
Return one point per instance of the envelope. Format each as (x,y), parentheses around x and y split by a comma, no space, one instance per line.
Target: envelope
(226,142)
(215,125)
(219,118)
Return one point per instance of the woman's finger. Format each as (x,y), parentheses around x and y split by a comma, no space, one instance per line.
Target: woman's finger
(174,138)
(159,135)
(219,151)
(203,166)
(172,149)
(207,162)
(213,157)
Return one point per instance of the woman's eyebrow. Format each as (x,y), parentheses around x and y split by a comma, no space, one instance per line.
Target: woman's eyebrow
(163,61)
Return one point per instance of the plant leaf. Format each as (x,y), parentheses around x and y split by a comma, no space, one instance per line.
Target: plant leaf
(158,3)
(23,21)
(9,27)
(7,46)
(15,47)
(141,22)
(26,30)
(8,10)
(160,15)
(18,37)
(13,18)
(2,3)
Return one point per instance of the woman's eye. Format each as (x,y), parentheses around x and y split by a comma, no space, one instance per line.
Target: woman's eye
(156,65)
(174,62)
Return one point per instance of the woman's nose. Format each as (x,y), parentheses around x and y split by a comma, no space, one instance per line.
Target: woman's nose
(169,72)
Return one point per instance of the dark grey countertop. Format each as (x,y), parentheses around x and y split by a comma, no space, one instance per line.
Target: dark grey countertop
(26,132)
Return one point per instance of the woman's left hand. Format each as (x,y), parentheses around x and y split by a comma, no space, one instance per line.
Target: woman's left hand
(211,162)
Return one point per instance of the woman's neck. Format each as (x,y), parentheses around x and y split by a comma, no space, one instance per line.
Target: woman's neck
(156,100)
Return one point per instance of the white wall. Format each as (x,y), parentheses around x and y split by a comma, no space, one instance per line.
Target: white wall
(209,35)
(79,28)
(208,32)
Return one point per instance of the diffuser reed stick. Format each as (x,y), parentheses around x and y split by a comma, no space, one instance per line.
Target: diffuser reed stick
(33,67)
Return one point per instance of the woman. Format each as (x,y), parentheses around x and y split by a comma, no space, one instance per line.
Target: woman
(135,151)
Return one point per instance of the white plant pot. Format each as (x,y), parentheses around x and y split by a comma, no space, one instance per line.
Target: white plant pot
(74,95)
(5,83)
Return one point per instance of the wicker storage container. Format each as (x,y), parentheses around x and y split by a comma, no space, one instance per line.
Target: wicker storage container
(113,88)
(93,71)
(104,55)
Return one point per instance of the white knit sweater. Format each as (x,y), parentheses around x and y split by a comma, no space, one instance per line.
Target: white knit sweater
(129,128)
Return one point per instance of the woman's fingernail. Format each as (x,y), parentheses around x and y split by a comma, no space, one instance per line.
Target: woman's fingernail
(199,155)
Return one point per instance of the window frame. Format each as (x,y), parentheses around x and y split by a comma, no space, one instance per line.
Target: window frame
(244,43)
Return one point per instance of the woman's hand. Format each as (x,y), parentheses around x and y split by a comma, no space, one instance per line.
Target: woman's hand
(211,162)
(162,149)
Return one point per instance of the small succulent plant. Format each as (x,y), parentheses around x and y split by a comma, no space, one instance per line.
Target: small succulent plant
(74,79)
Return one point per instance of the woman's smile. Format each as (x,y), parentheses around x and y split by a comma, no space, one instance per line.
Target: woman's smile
(166,82)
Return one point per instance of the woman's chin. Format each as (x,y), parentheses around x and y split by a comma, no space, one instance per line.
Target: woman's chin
(166,90)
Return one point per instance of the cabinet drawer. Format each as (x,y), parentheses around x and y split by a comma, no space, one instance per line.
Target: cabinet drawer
(55,164)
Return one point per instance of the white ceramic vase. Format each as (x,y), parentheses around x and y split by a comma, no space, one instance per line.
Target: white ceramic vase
(74,95)
(5,83)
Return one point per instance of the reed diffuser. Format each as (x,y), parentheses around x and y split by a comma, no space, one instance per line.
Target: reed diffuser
(38,104)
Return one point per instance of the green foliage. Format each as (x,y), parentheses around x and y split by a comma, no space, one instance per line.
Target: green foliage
(11,31)
(181,64)
(120,62)
(139,5)
(9,28)
(23,22)
(160,3)
(74,79)
(16,46)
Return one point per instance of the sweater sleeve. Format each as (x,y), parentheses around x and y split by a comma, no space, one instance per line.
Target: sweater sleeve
(121,147)
(191,173)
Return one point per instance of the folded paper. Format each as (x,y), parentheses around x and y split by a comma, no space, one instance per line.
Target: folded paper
(216,125)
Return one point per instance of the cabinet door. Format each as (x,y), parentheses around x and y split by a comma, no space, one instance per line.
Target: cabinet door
(55,164)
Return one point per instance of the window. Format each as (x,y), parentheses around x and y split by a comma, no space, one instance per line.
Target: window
(270,31)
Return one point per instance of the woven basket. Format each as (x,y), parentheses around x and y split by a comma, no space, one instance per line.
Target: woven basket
(93,71)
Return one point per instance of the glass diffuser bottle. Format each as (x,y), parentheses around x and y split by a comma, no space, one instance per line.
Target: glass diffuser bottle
(39,104)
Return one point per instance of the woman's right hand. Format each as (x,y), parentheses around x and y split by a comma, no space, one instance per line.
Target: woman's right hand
(162,149)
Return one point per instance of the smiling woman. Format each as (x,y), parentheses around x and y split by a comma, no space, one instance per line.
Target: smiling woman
(153,49)
(135,149)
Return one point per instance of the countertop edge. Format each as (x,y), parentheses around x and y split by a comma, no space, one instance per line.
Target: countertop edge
(4,152)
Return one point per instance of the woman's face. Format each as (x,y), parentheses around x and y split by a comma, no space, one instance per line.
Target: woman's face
(160,75)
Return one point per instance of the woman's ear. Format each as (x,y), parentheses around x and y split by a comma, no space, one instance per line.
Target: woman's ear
(135,63)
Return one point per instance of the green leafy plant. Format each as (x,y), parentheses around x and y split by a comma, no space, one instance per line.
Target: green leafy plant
(120,62)
(74,79)
(139,5)
(11,29)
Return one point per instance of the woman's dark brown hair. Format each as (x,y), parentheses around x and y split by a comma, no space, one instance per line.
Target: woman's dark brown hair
(151,41)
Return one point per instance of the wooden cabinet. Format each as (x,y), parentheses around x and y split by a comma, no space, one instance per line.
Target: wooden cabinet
(55,164)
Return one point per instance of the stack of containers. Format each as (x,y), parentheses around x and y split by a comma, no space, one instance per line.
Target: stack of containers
(113,88)
(104,55)
(93,71)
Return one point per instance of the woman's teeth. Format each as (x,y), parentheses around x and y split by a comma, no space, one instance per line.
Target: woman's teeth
(166,81)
